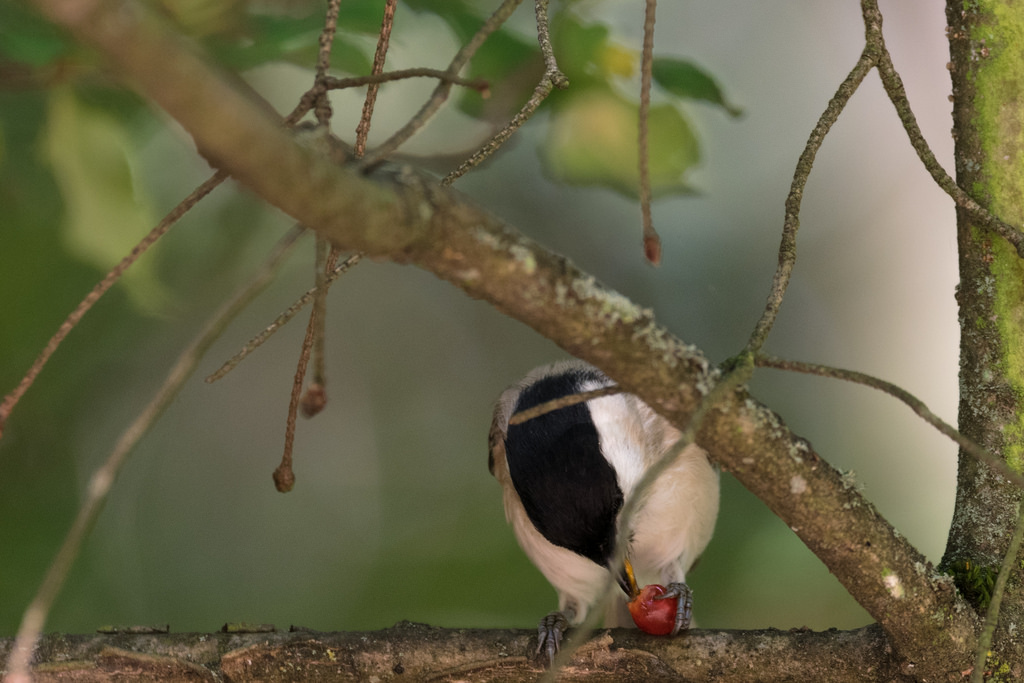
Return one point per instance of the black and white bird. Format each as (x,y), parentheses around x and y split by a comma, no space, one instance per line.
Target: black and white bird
(565,476)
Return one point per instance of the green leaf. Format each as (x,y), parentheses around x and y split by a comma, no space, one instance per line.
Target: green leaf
(27,38)
(292,39)
(686,79)
(356,16)
(508,61)
(585,53)
(91,157)
(592,140)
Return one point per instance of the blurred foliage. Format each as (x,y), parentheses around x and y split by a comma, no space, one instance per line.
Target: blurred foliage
(571,155)
(91,155)
(592,141)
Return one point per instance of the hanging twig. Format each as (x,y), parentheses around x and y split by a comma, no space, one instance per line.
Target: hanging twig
(284,476)
(313,343)
(314,399)
(652,242)
(11,399)
(103,478)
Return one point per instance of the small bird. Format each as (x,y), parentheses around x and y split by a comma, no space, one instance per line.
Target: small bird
(565,476)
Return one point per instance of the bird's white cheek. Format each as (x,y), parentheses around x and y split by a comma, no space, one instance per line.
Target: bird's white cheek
(623,441)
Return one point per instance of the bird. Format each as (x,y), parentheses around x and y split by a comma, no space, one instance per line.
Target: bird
(565,476)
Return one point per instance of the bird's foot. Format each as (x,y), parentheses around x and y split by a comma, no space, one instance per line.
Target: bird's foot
(549,634)
(684,608)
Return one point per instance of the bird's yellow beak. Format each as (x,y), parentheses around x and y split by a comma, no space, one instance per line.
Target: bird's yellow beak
(628,579)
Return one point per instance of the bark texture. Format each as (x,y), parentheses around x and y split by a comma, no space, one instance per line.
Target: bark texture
(987,69)
(414,652)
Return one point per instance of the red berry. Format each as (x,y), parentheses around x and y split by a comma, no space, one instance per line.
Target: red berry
(657,617)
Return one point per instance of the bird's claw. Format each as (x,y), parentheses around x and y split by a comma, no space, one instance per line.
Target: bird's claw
(684,608)
(549,634)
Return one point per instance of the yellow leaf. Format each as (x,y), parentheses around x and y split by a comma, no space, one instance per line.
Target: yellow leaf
(593,141)
(617,60)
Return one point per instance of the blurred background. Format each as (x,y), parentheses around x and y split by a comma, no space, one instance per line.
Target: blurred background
(394,514)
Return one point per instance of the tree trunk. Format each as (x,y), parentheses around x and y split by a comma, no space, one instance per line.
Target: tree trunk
(987,66)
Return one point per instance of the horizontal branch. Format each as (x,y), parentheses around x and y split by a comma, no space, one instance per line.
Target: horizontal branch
(416,652)
(399,215)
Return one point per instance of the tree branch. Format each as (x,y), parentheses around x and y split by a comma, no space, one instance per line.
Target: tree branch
(422,653)
(399,215)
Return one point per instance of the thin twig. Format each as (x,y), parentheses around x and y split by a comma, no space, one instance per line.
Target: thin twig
(11,399)
(379,56)
(540,93)
(316,97)
(652,242)
(552,72)
(968,445)
(893,85)
(562,402)
(322,103)
(284,476)
(302,108)
(335,83)
(787,248)
(313,344)
(278,322)
(323,251)
(315,399)
(552,78)
(992,614)
(103,478)
(440,94)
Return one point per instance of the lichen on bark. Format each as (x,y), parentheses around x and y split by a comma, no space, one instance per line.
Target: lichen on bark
(987,69)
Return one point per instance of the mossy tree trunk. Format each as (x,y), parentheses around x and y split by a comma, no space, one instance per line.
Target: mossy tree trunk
(987,67)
